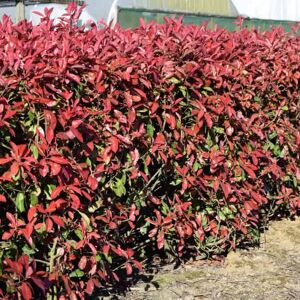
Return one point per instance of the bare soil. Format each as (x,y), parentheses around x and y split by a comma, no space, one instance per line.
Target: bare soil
(271,271)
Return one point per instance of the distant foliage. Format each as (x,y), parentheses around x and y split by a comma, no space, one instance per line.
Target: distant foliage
(117,144)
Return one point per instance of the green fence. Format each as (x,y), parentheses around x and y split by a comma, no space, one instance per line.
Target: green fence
(129,18)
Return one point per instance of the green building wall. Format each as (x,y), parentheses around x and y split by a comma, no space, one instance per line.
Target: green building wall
(214,12)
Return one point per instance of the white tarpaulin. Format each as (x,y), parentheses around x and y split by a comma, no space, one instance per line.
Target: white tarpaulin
(108,9)
(269,9)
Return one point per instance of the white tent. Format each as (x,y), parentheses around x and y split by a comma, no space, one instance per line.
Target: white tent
(108,9)
(269,9)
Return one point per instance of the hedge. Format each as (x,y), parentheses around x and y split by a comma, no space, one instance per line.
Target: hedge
(118,145)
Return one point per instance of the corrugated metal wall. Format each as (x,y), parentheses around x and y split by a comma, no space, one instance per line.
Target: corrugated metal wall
(216,7)
(129,18)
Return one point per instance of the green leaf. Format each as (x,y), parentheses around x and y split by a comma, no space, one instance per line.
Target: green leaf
(219,130)
(98,258)
(123,179)
(176,182)
(196,166)
(272,135)
(28,250)
(20,202)
(17,177)
(88,162)
(116,125)
(79,234)
(85,218)
(108,258)
(183,91)
(34,151)
(31,115)
(95,206)
(227,210)
(285,108)
(48,190)
(209,141)
(146,170)
(77,273)
(208,88)
(295,181)
(222,216)
(144,229)
(204,220)
(174,80)
(209,210)
(118,186)
(150,130)
(33,199)
(42,229)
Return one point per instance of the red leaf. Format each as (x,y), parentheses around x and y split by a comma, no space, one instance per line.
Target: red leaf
(26,291)
(226,189)
(55,169)
(74,77)
(92,247)
(171,121)
(93,183)
(129,252)
(208,120)
(116,277)
(112,225)
(160,139)
(82,263)
(11,218)
(56,192)
(160,240)
(2,198)
(135,156)
(155,200)
(7,235)
(14,169)
(40,283)
(44,171)
(59,160)
(90,287)
(76,132)
(105,249)
(142,23)
(57,220)
(51,125)
(27,232)
(154,107)
(258,198)
(128,268)
(250,172)
(216,184)
(4,161)
(141,93)
(31,213)
(49,225)
(131,116)
(114,144)
(124,139)
(138,265)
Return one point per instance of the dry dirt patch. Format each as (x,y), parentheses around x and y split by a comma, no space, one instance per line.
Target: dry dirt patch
(269,272)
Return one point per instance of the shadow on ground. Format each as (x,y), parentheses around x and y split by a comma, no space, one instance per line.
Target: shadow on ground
(271,271)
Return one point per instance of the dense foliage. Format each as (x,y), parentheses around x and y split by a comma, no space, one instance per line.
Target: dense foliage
(118,144)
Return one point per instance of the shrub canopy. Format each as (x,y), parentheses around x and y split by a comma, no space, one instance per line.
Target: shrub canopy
(118,144)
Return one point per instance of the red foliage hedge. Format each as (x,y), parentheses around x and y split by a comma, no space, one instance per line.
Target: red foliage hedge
(118,144)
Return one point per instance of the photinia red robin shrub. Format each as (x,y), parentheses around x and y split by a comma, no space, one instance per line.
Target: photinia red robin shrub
(119,144)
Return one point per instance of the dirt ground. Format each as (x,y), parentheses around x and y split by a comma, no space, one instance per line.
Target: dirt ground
(271,271)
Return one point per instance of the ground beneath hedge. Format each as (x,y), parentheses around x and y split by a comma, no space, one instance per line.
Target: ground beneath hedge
(269,272)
